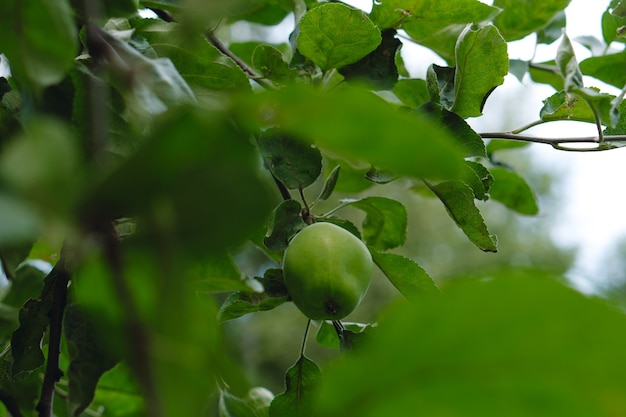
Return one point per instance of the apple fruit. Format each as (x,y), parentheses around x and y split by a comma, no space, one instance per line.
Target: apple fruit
(327,271)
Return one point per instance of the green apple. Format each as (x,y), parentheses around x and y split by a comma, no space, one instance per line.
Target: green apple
(327,271)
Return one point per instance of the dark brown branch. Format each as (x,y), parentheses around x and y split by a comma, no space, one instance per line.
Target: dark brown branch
(59,300)
(245,67)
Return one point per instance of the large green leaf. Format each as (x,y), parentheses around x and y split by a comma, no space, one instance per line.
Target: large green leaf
(358,125)
(603,68)
(523,17)
(405,274)
(192,160)
(301,382)
(385,224)
(294,162)
(412,92)
(518,347)
(432,23)
(458,198)
(482,62)
(39,38)
(334,35)
(511,190)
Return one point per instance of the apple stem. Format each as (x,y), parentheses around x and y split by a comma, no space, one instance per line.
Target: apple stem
(306,333)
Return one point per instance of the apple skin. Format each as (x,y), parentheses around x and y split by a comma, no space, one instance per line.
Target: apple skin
(327,271)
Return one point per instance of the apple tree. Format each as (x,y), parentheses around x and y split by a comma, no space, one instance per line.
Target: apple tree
(143,151)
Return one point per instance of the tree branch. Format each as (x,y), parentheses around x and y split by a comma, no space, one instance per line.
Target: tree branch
(558,143)
(244,67)
(59,300)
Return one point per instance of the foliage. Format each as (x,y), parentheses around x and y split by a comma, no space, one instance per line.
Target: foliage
(142,156)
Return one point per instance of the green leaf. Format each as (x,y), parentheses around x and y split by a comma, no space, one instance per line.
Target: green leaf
(270,63)
(405,274)
(412,92)
(483,346)
(611,25)
(89,359)
(176,170)
(294,162)
(198,62)
(440,85)
(378,68)
(511,190)
(482,62)
(359,126)
(553,29)
(40,40)
(568,65)
(458,199)
(25,223)
(563,106)
(330,183)
(26,283)
(286,222)
(241,303)
(546,73)
(603,68)
(217,272)
(519,68)
(523,17)
(385,224)
(495,145)
(334,35)
(301,382)
(380,176)
(327,335)
(484,177)
(434,24)
(468,140)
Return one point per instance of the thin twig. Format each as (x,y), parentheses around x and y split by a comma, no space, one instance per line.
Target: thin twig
(59,300)
(558,143)
(244,67)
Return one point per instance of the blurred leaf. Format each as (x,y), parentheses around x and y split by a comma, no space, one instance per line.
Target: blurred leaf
(355,124)
(458,199)
(469,141)
(348,35)
(217,272)
(603,68)
(482,62)
(412,92)
(40,40)
(511,190)
(380,176)
(546,73)
(199,63)
(109,9)
(385,222)
(378,68)
(495,145)
(270,63)
(295,163)
(352,178)
(301,381)
(405,274)
(434,24)
(330,183)
(25,223)
(595,45)
(88,358)
(553,29)
(519,68)
(241,303)
(523,17)
(568,65)
(483,346)
(255,404)
(264,12)
(26,283)
(177,171)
